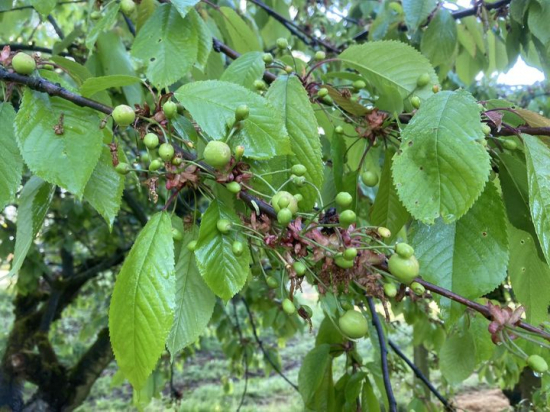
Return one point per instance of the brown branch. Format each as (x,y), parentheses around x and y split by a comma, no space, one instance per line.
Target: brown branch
(478,307)
(32,48)
(31,7)
(421,376)
(294,29)
(392,403)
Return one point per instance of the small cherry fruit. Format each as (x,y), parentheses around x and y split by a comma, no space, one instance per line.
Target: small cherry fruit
(417,288)
(224,226)
(284,216)
(404,250)
(238,248)
(217,154)
(234,187)
(404,269)
(170,109)
(510,144)
(151,141)
(390,290)
(423,80)
(299,268)
(156,164)
(322,92)
(166,152)
(537,363)
(267,58)
(191,246)
(298,170)
(282,197)
(347,217)
(358,85)
(122,168)
(272,283)
(288,306)
(369,178)
(22,63)
(320,55)
(353,324)
(350,253)
(384,232)
(415,101)
(282,43)
(123,115)
(176,234)
(242,112)
(343,199)
(127,6)
(343,262)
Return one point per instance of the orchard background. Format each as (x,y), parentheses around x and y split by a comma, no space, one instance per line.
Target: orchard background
(273,205)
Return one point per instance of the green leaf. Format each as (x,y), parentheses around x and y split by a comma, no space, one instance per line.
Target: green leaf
(66,160)
(245,70)
(529,275)
(141,311)
(34,203)
(194,300)
(96,84)
(204,38)
(441,169)
(469,256)
(538,175)
(387,210)
(243,38)
(106,21)
(167,45)
(263,134)
(184,6)
(312,372)
(44,7)
(457,358)
(417,11)
(381,63)
(222,271)
(440,38)
(104,189)
(538,18)
(11,164)
(289,96)
(115,60)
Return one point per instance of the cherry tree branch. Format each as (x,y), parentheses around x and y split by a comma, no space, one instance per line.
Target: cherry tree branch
(261,345)
(421,376)
(294,28)
(392,403)
(42,85)
(31,47)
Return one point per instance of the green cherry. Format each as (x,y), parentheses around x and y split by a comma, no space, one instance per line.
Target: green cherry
(404,250)
(238,248)
(486,129)
(223,226)
(323,91)
(384,232)
(267,58)
(415,101)
(234,187)
(369,178)
(283,197)
(123,168)
(404,269)
(288,306)
(217,154)
(350,253)
(390,290)
(176,234)
(339,130)
(358,85)
(192,246)
(320,55)
(300,268)
(166,152)
(298,170)
(343,199)
(282,43)
(284,216)
(347,217)
(272,283)
(353,324)
(151,141)
(343,262)
(127,6)
(22,63)
(242,112)
(417,288)
(155,165)
(510,144)
(537,363)
(170,109)
(123,115)
(423,80)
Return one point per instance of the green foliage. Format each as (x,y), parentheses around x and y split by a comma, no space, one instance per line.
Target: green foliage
(141,311)
(262,168)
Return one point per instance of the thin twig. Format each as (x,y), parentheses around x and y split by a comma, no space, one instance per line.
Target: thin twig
(421,376)
(261,345)
(130,25)
(31,7)
(56,27)
(383,355)
(245,355)
(31,47)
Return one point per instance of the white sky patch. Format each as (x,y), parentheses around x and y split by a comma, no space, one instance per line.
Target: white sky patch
(521,74)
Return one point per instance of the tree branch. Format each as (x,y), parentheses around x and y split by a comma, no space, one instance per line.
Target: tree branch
(31,7)
(56,27)
(421,376)
(31,47)
(261,345)
(294,29)
(383,355)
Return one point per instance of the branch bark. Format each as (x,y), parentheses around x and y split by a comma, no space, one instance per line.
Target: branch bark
(383,355)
